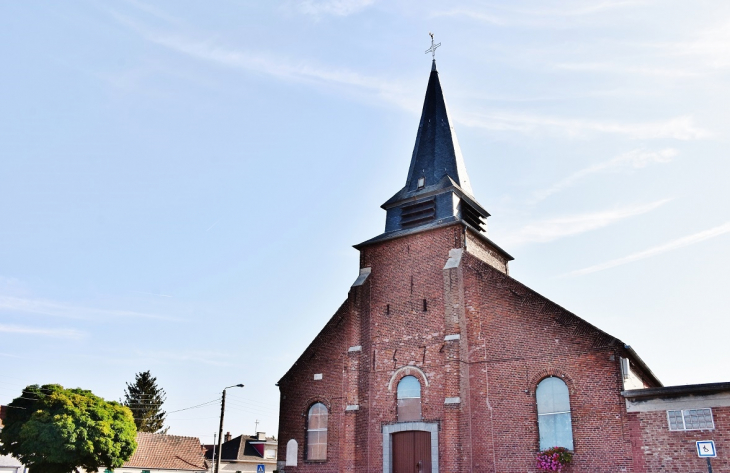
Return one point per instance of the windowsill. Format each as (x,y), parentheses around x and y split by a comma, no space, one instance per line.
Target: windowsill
(315,461)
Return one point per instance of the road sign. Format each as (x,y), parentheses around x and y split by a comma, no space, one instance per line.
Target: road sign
(706,448)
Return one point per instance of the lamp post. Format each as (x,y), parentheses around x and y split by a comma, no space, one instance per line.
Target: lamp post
(220,428)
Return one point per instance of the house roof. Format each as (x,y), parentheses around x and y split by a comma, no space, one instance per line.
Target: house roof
(241,448)
(167,452)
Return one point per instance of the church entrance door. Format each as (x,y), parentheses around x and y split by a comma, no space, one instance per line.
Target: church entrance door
(412,452)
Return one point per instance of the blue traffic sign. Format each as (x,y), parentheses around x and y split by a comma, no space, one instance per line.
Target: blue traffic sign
(706,448)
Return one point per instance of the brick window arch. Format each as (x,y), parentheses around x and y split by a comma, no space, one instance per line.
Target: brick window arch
(317,432)
(553,414)
(409,399)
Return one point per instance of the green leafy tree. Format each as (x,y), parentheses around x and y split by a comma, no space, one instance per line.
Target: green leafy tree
(55,430)
(145,400)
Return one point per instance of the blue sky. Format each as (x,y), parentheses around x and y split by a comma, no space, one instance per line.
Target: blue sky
(181,182)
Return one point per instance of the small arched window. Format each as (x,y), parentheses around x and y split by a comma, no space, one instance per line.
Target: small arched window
(553,414)
(409,399)
(317,432)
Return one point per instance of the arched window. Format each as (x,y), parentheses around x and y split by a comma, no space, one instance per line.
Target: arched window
(553,414)
(409,399)
(317,432)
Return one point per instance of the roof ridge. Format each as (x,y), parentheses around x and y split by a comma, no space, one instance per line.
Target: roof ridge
(169,435)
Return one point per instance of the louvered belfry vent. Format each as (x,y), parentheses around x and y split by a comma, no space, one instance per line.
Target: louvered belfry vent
(418,212)
(471,216)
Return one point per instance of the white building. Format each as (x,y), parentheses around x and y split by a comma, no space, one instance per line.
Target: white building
(9,464)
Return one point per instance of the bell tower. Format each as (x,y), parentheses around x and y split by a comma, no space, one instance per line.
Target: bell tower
(437,192)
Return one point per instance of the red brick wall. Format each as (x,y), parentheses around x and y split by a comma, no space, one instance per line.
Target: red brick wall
(326,355)
(511,338)
(516,339)
(662,450)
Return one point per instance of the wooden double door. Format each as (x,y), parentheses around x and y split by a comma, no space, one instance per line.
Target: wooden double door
(412,452)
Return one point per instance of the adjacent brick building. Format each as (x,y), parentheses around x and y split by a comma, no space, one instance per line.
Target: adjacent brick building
(440,361)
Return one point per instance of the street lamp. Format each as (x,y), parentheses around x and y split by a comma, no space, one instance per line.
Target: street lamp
(220,428)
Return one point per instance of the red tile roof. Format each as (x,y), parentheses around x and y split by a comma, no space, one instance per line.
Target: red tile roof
(167,452)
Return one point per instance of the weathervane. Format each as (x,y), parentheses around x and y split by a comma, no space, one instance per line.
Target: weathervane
(433,47)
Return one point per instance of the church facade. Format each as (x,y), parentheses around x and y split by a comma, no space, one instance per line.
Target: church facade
(439,361)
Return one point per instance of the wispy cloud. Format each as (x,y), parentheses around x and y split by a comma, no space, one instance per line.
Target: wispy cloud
(58,309)
(552,229)
(332,7)
(202,357)
(46,332)
(562,13)
(638,158)
(618,68)
(152,294)
(680,128)
(474,15)
(672,245)
(391,91)
(155,12)
(397,93)
(295,70)
(707,49)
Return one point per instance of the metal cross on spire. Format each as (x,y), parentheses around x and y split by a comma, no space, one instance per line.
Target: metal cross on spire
(433,47)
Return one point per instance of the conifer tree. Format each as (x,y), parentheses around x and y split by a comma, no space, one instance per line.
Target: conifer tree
(145,400)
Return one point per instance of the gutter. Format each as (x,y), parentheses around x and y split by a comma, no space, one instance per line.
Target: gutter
(682,390)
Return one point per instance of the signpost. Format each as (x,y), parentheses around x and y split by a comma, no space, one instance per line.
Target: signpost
(260,469)
(706,449)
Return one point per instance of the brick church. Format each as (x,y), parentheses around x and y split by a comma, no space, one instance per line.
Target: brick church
(439,361)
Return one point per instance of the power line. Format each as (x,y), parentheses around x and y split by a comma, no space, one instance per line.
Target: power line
(255,407)
(243,399)
(249,409)
(256,403)
(195,407)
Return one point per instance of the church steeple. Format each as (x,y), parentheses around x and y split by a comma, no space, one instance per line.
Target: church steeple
(436,153)
(437,191)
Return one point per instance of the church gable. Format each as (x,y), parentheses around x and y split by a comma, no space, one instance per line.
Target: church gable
(332,338)
(527,322)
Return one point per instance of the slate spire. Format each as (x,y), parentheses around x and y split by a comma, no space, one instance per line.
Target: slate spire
(436,153)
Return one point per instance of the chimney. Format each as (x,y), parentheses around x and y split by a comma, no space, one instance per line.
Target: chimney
(227,437)
(261,435)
